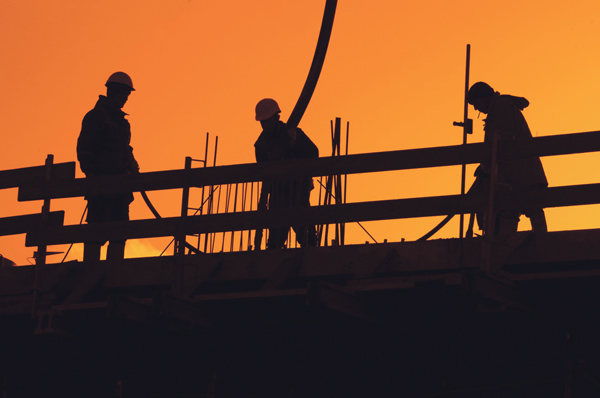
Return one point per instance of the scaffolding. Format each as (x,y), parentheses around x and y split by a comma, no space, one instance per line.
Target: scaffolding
(521,298)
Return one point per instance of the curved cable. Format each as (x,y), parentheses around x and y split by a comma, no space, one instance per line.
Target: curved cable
(447,219)
(316,66)
(149,204)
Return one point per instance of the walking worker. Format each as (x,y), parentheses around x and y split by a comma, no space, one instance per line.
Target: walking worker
(277,141)
(103,148)
(505,120)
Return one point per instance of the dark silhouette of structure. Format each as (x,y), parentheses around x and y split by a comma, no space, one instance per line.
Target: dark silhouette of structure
(505,123)
(278,142)
(103,149)
(486,316)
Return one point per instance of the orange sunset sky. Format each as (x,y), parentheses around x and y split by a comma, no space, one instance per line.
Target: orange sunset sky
(394,69)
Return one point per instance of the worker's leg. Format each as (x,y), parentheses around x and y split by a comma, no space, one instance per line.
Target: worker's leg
(96,212)
(91,252)
(306,236)
(538,220)
(277,238)
(115,252)
(507,224)
(119,211)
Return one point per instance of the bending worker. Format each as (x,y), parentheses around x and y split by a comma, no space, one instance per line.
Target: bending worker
(506,121)
(277,141)
(103,149)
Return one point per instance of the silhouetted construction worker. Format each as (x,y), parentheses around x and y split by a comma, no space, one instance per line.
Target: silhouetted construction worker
(505,120)
(103,149)
(277,141)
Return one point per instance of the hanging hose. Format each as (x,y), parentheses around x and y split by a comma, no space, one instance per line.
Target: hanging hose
(445,221)
(316,66)
(71,246)
(149,204)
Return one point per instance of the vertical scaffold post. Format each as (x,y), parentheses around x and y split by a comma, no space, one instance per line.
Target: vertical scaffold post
(211,195)
(177,278)
(40,256)
(201,209)
(338,180)
(180,239)
(345,184)
(467,129)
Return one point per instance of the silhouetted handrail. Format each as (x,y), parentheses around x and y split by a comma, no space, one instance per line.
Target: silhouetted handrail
(350,212)
(297,168)
(316,66)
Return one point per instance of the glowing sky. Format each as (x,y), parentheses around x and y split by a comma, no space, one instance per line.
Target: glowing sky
(394,70)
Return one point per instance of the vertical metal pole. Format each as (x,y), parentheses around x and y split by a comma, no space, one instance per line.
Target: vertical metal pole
(320,226)
(203,189)
(177,277)
(338,178)
(42,250)
(235,196)
(185,202)
(249,243)
(227,197)
(211,199)
(466,130)
(343,234)
(40,258)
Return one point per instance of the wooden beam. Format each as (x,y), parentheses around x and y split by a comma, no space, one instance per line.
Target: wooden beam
(552,145)
(323,295)
(526,257)
(17,177)
(22,224)
(297,168)
(349,212)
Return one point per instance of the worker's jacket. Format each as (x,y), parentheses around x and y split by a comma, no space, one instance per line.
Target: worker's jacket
(103,145)
(283,144)
(506,120)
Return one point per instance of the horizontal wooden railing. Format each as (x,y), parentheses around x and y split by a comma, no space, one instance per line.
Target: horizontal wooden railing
(350,164)
(349,212)
(37,175)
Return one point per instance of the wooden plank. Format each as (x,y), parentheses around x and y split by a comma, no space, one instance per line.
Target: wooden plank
(568,247)
(206,176)
(17,177)
(367,211)
(25,223)
(258,266)
(530,257)
(349,212)
(350,164)
(564,144)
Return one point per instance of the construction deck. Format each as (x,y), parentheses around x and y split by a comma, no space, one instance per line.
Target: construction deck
(489,316)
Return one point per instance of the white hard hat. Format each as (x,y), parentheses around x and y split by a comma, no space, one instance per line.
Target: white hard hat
(121,77)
